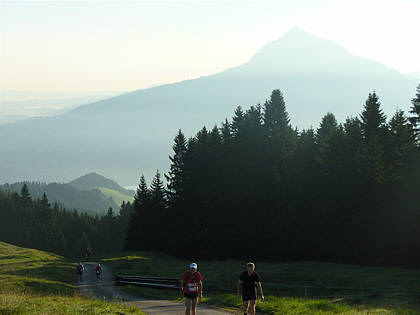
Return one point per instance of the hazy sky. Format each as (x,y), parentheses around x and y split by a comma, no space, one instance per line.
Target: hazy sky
(97,46)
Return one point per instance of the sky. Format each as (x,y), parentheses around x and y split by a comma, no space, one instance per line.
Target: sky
(62,46)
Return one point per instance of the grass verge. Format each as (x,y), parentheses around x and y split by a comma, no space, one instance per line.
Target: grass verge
(284,284)
(37,282)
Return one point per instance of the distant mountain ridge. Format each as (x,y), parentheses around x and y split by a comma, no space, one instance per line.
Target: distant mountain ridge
(93,181)
(130,134)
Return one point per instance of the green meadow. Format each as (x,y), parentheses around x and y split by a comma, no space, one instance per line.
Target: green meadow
(330,288)
(116,195)
(37,282)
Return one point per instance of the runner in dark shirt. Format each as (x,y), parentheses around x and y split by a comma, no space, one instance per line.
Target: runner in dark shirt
(249,281)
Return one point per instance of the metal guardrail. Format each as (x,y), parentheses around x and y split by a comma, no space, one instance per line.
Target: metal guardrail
(155,282)
(278,289)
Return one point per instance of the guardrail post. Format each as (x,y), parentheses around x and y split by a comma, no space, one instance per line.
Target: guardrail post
(306,291)
(361,292)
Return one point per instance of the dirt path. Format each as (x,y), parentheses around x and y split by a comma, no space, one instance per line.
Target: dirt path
(104,289)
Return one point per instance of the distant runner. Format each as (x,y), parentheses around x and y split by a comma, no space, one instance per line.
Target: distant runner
(87,253)
(249,281)
(98,271)
(80,268)
(191,288)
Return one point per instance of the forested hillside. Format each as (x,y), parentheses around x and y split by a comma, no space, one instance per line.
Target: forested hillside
(35,223)
(92,201)
(256,188)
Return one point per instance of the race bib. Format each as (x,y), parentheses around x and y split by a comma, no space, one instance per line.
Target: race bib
(192,287)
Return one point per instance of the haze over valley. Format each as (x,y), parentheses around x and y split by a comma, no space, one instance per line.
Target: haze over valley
(132,133)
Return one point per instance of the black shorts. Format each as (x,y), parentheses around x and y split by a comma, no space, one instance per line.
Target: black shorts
(249,295)
(191,295)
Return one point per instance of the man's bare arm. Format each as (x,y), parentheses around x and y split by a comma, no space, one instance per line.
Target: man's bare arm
(240,282)
(261,290)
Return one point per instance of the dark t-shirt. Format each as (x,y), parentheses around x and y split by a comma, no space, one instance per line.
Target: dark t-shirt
(249,280)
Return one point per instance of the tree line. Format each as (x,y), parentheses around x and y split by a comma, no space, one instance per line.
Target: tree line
(257,188)
(35,223)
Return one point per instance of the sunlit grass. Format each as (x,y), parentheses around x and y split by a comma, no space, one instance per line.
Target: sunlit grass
(116,195)
(37,282)
(29,304)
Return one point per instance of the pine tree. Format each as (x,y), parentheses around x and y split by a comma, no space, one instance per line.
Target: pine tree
(237,122)
(415,110)
(142,193)
(372,119)
(226,133)
(402,143)
(25,195)
(329,140)
(158,194)
(276,118)
(175,177)
(44,201)
(157,219)
(138,221)
(371,156)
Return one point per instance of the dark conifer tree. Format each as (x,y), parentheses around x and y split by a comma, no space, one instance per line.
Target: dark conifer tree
(371,157)
(372,119)
(226,133)
(237,122)
(25,195)
(157,194)
(402,144)
(176,174)
(415,111)
(136,236)
(276,118)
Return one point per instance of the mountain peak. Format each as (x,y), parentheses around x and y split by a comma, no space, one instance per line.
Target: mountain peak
(94,180)
(298,52)
(296,32)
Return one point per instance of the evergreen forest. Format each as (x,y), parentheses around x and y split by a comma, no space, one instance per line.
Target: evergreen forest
(35,223)
(257,188)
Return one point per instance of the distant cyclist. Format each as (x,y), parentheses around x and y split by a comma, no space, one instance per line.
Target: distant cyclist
(249,281)
(98,271)
(191,286)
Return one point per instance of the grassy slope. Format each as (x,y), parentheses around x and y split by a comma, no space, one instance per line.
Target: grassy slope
(116,195)
(223,275)
(36,282)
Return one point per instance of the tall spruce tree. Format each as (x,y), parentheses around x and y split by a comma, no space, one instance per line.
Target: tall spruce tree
(175,177)
(157,218)
(372,119)
(25,195)
(373,126)
(157,194)
(136,236)
(402,144)
(415,111)
(329,140)
(237,122)
(226,133)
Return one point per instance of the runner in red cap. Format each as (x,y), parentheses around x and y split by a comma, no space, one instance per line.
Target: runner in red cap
(191,286)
